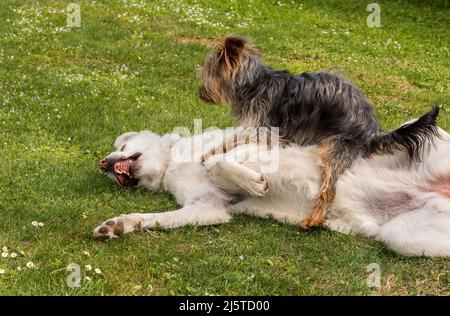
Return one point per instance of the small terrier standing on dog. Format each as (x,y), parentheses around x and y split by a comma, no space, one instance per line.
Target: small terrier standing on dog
(320,108)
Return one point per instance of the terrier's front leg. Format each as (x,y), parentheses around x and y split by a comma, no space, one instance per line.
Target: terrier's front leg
(230,142)
(227,144)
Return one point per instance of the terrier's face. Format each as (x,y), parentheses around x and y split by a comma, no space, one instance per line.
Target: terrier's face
(221,69)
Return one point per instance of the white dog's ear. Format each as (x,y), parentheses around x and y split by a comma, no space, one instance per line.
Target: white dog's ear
(170,138)
(122,139)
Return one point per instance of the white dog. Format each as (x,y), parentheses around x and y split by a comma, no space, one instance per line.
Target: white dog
(406,207)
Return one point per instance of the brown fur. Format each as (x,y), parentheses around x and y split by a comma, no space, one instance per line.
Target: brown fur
(103,230)
(327,189)
(118,229)
(230,52)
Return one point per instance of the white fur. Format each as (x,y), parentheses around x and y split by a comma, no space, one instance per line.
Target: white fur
(382,197)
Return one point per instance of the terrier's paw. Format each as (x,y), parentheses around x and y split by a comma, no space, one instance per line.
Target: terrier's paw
(115,227)
(311,223)
(208,156)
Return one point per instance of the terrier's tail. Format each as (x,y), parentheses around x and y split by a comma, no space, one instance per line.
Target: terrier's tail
(411,138)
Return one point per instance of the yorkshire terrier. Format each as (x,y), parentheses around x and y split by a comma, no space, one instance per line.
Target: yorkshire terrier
(321,108)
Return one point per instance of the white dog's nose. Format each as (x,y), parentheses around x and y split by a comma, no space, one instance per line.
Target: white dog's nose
(103,165)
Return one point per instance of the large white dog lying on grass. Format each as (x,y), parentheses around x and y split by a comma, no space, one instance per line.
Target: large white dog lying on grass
(405,207)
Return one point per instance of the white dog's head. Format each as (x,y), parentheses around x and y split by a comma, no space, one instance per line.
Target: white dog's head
(140,159)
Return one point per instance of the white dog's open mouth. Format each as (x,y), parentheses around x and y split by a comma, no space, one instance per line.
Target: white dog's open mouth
(123,169)
(123,172)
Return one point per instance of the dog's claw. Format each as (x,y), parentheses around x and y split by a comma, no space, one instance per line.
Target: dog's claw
(263,187)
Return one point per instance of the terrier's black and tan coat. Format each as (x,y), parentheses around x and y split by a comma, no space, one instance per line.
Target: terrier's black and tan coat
(318,108)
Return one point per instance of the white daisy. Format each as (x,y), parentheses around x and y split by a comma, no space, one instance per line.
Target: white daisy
(30,265)
(87,278)
(13,254)
(86,253)
(98,271)
(34,223)
(40,224)
(4,254)
(2,271)
(5,249)
(88,267)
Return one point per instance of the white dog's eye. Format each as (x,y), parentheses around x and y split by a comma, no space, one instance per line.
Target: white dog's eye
(123,147)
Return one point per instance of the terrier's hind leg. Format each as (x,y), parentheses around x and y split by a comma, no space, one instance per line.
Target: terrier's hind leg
(334,158)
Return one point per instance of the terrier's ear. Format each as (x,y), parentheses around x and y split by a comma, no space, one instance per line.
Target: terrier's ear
(232,48)
(233,45)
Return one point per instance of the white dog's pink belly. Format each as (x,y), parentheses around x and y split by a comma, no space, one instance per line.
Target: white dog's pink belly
(442,186)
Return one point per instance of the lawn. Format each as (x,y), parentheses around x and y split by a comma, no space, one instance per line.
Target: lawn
(66,93)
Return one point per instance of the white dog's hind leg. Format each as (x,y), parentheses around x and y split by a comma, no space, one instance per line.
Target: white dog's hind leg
(201,214)
(423,232)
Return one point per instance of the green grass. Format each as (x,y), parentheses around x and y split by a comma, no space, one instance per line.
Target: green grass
(65,96)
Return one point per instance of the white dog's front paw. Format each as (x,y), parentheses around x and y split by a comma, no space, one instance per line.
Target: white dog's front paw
(259,187)
(116,227)
(248,180)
